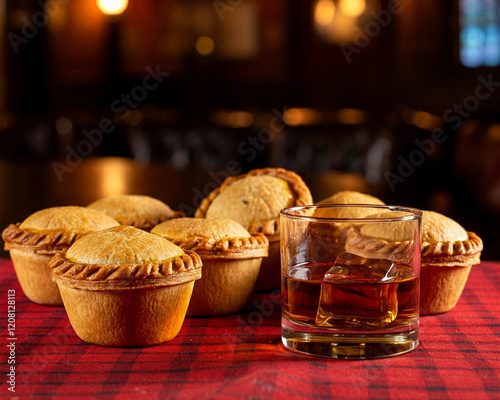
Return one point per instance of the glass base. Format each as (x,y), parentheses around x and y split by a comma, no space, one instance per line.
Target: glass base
(331,344)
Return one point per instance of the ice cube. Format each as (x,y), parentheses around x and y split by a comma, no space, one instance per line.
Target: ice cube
(358,292)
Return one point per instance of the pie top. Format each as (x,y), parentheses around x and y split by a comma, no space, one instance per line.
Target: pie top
(213,238)
(256,198)
(347,197)
(445,242)
(389,238)
(136,210)
(67,218)
(439,228)
(52,229)
(391,231)
(124,256)
(351,197)
(121,245)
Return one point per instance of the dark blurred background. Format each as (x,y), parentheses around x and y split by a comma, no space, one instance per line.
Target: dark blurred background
(400,99)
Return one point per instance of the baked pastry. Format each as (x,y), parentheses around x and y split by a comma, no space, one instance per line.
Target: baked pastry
(347,197)
(33,242)
(231,261)
(125,287)
(381,240)
(140,211)
(448,252)
(327,238)
(255,200)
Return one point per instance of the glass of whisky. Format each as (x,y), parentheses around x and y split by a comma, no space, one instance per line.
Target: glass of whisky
(350,280)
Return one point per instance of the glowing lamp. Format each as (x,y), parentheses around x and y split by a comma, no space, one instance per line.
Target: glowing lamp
(112,7)
(325,11)
(352,8)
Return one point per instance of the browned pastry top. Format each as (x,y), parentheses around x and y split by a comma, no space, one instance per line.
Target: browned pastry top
(124,257)
(453,253)
(256,198)
(444,242)
(136,210)
(52,229)
(371,247)
(214,238)
(392,237)
(347,197)
(67,218)
(437,227)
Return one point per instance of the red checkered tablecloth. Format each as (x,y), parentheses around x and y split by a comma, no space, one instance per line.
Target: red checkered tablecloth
(240,357)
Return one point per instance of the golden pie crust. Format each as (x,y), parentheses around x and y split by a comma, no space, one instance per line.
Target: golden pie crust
(299,195)
(448,254)
(52,229)
(125,287)
(33,242)
(453,253)
(384,240)
(338,231)
(231,249)
(143,212)
(347,197)
(351,197)
(231,258)
(371,247)
(183,268)
(38,242)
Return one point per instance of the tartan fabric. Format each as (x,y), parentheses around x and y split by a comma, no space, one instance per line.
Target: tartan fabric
(240,356)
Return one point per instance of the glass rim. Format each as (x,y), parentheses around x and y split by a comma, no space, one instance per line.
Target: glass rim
(414,213)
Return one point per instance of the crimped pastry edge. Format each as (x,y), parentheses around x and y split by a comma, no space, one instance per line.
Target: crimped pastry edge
(300,191)
(460,248)
(174,271)
(357,243)
(239,248)
(38,242)
(440,254)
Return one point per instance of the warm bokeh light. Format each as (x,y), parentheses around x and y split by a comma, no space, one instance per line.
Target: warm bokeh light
(425,120)
(205,45)
(324,12)
(112,7)
(233,119)
(134,117)
(64,126)
(493,133)
(352,8)
(301,116)
(351,116)
(114,177)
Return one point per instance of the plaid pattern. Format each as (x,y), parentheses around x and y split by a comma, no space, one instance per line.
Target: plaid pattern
(240,356)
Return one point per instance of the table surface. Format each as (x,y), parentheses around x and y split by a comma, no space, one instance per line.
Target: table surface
(240,356)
